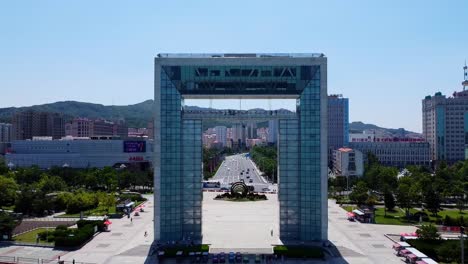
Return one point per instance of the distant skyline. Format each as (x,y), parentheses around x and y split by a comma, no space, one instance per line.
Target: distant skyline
(384,57)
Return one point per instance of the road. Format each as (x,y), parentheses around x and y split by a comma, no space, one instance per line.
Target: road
(232,167)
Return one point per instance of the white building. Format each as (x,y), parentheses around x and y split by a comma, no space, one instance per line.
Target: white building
(272,131)
(348,162)
(79,153)
(396,154)
(221,135)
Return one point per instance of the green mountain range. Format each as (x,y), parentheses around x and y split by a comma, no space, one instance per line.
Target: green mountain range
(136,115)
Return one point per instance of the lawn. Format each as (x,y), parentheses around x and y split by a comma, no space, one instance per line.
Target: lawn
(31,237)
(397,216)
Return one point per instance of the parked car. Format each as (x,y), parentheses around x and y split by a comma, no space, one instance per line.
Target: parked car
(245,259)
(257,259)
(238,257)
(232,257)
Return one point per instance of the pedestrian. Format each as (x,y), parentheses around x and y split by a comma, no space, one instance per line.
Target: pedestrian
(271,232)
(131,219)
(146,234)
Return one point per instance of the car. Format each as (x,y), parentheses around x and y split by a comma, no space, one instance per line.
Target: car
(222,257)
(215,259)
(232,257)
(246,259)
(238,257)
(257,259)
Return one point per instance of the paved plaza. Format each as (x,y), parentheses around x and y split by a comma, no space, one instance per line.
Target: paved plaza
(240,226)
(361,243)
(228,226)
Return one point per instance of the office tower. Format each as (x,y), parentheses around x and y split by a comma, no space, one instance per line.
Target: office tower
(272,131)
(445,124)
(338,123)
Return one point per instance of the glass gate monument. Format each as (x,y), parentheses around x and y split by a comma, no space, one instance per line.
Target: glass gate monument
(302,137)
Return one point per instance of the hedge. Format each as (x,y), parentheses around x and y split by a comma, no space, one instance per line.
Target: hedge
(77,238)
(99,223)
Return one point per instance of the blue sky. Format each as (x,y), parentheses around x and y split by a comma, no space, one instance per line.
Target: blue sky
(385,57)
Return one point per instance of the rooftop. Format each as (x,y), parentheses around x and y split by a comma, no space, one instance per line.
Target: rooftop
(240,55)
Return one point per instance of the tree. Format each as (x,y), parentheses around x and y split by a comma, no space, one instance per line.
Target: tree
(407,194)
(359,193)
(49,184)
(432,200)
(389,201)
(8,188)
(428,232)
(7,224)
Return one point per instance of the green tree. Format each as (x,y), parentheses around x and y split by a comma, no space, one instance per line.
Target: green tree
(49,184)
(8,189)
(428,232)
(359,194)
(407,194)
(389,201)
(7,225)
(432,200)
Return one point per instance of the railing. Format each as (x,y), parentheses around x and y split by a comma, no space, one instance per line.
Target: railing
(23,260)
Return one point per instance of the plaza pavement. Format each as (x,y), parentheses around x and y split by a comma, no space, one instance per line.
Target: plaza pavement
(240,226)
(361,243)
(228,226)
(125,243)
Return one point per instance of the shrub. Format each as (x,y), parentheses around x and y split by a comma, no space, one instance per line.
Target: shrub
(100,224)
(77,238)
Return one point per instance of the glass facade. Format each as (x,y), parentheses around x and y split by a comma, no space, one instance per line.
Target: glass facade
(301,140)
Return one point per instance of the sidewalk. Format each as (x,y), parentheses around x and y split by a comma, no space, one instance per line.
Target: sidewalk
(125,243)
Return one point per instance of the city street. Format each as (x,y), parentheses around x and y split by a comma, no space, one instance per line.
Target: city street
(232,167)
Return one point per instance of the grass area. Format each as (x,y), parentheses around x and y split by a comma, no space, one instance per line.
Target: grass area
(446,251)
(31,237)
(299,251)
(99,211)
(397,216)
(170,251)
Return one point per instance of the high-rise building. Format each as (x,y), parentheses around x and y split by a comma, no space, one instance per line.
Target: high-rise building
(338,123)
(301,137)
(445,125)
(272,131)
(29,124)
(5,132)
(238,134)
(251,130)
(221,132)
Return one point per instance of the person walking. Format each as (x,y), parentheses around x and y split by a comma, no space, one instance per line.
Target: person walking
(131,219)
(146,233)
